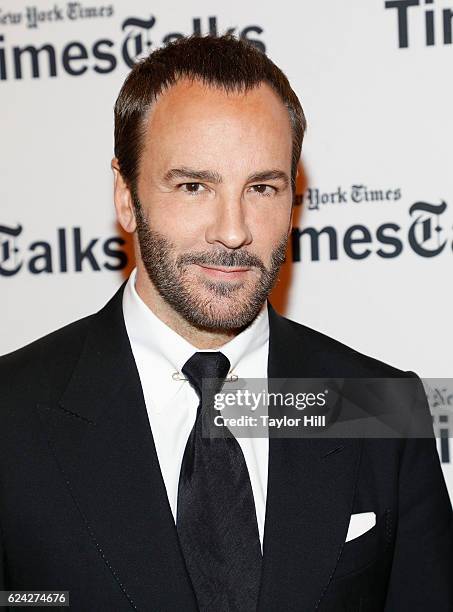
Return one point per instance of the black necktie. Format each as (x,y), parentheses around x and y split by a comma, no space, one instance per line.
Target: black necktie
(216,518)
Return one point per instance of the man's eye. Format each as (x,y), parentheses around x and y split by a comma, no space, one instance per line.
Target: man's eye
(192,187)
(266,190)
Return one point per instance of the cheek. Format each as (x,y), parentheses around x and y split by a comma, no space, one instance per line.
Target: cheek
(269,225)
(268,231)
(180,226)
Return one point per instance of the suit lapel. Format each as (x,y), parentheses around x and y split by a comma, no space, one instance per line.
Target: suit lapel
(310,491)
(102,441)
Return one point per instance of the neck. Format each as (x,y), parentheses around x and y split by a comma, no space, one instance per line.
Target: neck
(199,338)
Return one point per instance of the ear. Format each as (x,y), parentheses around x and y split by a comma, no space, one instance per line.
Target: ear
(123,200)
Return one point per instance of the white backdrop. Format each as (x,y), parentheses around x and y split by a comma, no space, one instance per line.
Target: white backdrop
(375,82)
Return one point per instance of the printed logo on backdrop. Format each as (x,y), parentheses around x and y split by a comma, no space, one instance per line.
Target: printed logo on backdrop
(10,263)
(423,233)
(440,398)
(69,251)
(137,36)
(421,20)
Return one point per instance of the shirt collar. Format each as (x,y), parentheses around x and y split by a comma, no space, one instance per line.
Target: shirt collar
(145,329)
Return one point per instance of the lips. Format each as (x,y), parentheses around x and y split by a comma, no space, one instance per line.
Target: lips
(224,272)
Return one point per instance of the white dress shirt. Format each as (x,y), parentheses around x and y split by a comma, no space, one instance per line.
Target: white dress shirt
(172,404)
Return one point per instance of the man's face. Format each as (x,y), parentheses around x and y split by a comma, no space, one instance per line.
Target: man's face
(215,201)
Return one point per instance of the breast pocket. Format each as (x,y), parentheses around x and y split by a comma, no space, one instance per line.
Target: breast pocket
(362,551)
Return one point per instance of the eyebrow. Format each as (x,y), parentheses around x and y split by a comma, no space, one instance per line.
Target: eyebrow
(196,175)
(214,177)
(269,175)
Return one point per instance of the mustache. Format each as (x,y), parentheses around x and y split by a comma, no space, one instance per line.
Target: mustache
(222,258)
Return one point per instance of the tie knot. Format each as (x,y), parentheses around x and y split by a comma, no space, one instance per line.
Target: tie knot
(206,365)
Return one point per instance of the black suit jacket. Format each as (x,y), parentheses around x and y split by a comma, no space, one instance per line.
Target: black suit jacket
(83,506)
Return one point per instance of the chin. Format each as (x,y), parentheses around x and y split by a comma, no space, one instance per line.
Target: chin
(221,312)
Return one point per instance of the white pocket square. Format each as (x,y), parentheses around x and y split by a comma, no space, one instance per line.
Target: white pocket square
(359,524)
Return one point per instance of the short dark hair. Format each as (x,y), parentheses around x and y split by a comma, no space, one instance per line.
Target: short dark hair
(220,61)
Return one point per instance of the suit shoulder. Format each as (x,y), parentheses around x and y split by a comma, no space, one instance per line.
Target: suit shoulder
(353,362)
(44,359)
(58,341)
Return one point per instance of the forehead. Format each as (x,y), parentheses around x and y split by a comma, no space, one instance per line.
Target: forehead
(192,97)
(192,115)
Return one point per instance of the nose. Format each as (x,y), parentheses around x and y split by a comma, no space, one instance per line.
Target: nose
(229,227)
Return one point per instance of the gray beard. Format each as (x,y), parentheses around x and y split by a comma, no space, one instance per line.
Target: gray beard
(169,279)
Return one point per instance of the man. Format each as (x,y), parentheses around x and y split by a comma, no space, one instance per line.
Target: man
(108,486)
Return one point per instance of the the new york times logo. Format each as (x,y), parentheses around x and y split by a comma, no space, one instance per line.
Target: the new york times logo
(440,399)
(69,252)
(435,23)
(34,16)
(424,236)
(315,199)
(102,55)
